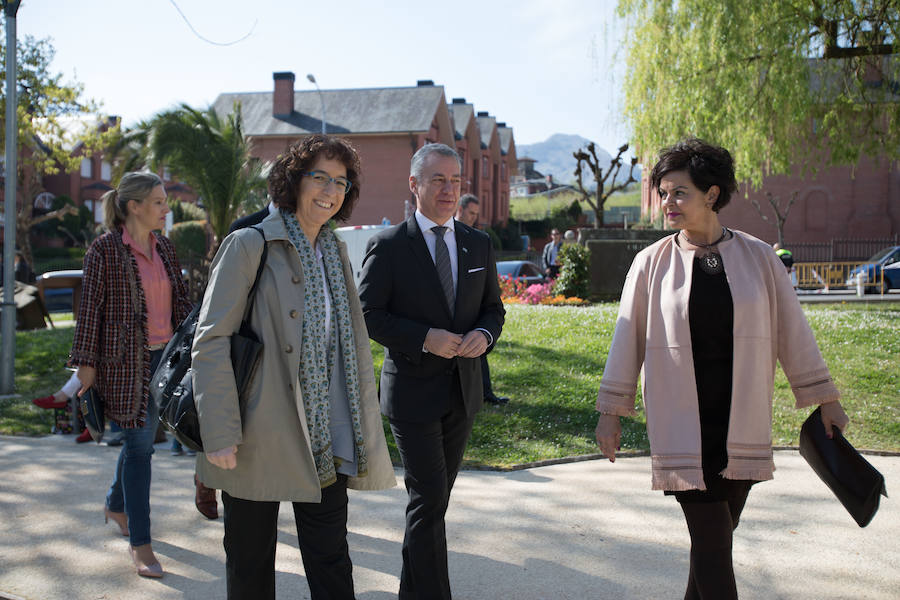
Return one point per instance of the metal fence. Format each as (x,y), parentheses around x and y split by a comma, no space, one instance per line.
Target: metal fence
(841,249)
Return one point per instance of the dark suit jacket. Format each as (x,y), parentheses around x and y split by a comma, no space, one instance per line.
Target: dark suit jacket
(402,299)
(250,220)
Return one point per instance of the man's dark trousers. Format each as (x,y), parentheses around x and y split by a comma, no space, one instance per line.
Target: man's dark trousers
(432,453)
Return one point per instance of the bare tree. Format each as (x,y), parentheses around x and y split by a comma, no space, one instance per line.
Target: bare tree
(781,213)
(588,160)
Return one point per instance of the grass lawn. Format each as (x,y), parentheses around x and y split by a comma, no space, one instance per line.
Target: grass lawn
(549,360)
(536,207)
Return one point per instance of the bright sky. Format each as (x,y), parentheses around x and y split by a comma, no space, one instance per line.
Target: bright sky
(542,66)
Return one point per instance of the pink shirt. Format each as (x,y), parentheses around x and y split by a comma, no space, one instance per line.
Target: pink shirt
(157,290)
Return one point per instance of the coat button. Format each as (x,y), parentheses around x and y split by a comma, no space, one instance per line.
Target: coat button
(295,279)
(293,314)
(288,348)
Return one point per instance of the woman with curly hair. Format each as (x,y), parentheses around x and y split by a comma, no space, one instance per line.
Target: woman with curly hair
(707,312)
(310,426)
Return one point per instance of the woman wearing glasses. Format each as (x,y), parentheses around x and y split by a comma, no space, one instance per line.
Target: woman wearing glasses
(310,427)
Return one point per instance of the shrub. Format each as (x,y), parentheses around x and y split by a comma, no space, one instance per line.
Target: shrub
(495,239)
(189,238)
(574,272)
(185,211)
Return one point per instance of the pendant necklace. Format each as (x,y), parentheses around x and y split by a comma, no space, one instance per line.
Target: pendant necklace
(711,262)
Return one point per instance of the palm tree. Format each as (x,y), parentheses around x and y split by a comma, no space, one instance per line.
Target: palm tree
(210,154)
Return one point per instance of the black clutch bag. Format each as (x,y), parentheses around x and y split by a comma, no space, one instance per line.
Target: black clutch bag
(94,413)
(855,482)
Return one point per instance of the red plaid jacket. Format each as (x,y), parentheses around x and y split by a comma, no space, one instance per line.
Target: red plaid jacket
(111,330)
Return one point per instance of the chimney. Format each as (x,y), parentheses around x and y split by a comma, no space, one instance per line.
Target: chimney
(459,101)
(424,83)
(503,124)
(283,98)
(483,113)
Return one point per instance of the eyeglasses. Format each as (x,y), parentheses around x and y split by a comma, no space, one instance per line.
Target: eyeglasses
(322,179)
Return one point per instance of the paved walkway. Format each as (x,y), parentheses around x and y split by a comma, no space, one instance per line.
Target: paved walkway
(584,530)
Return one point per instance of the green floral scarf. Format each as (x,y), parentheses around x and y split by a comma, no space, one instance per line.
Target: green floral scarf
(317,356)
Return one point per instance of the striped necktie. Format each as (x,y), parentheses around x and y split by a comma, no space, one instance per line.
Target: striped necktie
(442,262)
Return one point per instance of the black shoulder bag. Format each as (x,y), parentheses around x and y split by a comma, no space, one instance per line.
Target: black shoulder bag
(172,385)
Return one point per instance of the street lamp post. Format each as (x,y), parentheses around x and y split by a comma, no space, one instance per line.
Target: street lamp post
(312,80)
(8,318)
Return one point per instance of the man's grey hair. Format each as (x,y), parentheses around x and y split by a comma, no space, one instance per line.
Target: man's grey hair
(467,199)
(422,154)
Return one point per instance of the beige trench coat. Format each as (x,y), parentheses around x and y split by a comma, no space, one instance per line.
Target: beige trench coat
(274,457)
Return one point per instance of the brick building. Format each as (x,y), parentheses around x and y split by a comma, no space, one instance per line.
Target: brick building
(387,126)
(837,202)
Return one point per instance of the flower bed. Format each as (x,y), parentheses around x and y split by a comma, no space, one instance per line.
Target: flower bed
(517,291)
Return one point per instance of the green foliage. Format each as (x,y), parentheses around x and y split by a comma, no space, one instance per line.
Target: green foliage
(189,238)
(495,239)
(52,118)
(212,155)
(779,84)
(58,259)
(39,370)
(75,228)
(185,211)
(208,152)
(550,360)
(574,272)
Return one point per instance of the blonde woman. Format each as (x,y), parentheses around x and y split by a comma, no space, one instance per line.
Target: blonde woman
(133,296)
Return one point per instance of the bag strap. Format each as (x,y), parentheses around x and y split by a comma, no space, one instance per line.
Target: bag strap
(259,270)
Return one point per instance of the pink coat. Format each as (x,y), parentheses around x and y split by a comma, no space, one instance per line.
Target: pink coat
(652,331)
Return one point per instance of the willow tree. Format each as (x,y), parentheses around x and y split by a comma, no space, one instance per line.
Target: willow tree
(780,83)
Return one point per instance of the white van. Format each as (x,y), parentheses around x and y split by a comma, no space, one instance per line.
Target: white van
(356,237)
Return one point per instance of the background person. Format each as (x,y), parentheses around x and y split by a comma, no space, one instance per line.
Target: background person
(431,297)
(133,298)
(707,312)
(550,255)
(311,426)
(468,213)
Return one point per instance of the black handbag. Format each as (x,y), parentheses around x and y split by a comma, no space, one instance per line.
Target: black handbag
(855,482)
(172,383)
(94,412)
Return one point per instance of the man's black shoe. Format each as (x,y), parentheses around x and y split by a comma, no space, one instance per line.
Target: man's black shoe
(496,399)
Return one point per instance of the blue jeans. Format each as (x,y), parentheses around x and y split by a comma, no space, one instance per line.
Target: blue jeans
(130,489)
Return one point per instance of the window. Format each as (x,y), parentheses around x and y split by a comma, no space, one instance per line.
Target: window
(105,171)
(167,175)
(485,167)
(87,168)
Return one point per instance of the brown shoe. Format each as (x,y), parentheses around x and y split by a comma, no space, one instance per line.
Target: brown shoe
(205,500)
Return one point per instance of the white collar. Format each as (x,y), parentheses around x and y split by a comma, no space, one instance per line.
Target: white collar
(425,224)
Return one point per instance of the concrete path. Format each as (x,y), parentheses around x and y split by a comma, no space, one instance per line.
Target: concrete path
(583,530)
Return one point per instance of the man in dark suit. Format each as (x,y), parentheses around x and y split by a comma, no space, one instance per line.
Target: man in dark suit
(430,296)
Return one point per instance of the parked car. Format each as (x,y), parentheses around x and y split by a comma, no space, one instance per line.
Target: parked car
(886,264)
(520,269)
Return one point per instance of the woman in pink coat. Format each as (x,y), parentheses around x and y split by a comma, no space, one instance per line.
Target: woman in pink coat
(706,313)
